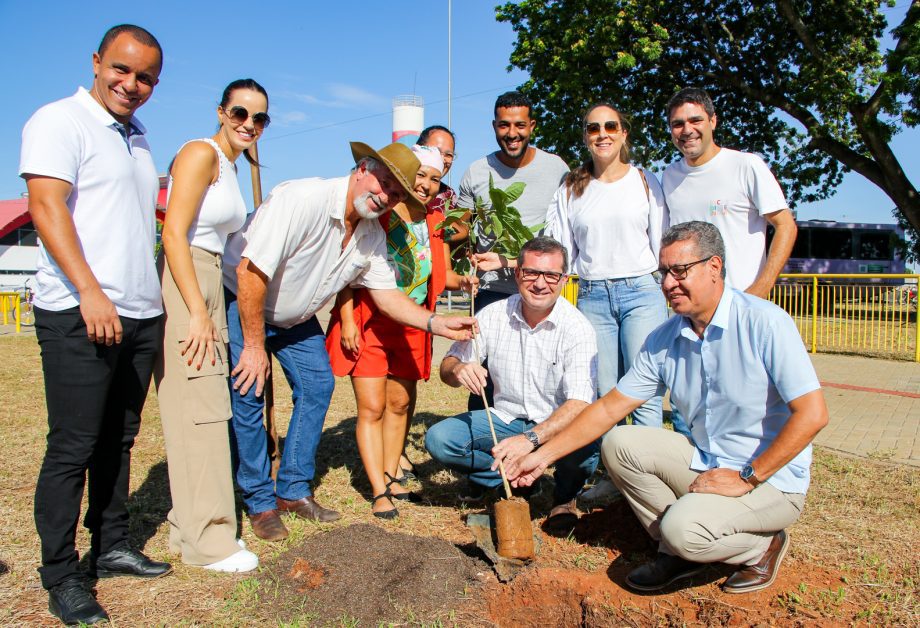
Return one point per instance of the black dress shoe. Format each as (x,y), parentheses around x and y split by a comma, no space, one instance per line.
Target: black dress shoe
(661,572)
(74,603)
(129,562)
(761,575)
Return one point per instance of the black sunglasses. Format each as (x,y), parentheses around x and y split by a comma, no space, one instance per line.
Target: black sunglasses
(594,128)
(239,115)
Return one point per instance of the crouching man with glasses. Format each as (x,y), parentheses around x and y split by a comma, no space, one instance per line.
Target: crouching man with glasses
(542,356)
(739,373)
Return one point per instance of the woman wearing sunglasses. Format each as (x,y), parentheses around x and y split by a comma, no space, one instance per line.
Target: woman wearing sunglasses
(610,215)
(205,206)
(386,359)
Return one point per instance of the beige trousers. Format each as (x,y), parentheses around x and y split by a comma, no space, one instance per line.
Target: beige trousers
(195,410)
(651,467)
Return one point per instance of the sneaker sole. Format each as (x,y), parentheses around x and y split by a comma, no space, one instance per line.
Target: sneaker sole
(760,587)
(659,587)
(105,573)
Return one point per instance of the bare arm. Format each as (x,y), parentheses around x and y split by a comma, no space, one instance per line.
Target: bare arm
(512,449)
(54,224)
(778,255)
(253,366)
(585,428)
(809,416)
(192,172)
(395,304)
(456,281)
(351,337)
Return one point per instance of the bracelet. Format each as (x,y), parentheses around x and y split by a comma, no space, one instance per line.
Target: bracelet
(430,318)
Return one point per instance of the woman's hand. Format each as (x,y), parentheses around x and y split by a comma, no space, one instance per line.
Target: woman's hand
(350,336)
(199,343)
(469,283)
(489,261)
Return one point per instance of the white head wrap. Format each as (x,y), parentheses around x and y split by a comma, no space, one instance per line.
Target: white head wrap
(429,156)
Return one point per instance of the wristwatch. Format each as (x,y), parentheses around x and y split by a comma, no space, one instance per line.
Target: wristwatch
(747,474)
(533,438)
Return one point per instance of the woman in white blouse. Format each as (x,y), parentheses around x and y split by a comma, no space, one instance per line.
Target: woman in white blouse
(205,206)
(610,216)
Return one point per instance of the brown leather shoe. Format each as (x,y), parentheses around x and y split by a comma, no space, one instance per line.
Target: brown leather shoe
(268,526)
(308,508)
(761,575)
(562,517)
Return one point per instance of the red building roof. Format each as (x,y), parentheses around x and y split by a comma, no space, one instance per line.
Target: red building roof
(13,214)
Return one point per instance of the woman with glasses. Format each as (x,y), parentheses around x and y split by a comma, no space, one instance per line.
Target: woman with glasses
(204,207)
(385,359)
(610,216)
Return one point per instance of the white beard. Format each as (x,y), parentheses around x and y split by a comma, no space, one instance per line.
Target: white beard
(361,206)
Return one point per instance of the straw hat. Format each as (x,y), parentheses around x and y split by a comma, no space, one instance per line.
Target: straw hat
(401,163)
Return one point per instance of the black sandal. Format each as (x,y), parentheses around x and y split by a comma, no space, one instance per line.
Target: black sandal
(384,514)
(407,474)
(411,496)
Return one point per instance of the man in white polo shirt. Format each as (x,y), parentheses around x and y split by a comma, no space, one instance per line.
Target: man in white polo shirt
(308,240)
(92,195)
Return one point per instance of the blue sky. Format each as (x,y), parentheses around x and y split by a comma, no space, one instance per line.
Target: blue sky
(331,70)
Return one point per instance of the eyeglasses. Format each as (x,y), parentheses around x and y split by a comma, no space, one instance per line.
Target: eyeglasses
(679,271)
(550,277)
(239,115)
(594,128)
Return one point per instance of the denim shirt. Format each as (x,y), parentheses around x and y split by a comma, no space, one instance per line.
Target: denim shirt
(733,385)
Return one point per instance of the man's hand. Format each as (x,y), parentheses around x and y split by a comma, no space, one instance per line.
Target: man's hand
(725,482)
(472,376)
(102,323)
(510,451)
(351,336)
(253,368)
(527,470)
(454,327)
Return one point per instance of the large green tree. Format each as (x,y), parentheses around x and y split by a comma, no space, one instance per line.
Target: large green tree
(805,83)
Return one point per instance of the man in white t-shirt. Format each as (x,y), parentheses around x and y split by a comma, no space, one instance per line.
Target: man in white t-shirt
(98,316)
(735,191)
(307,241)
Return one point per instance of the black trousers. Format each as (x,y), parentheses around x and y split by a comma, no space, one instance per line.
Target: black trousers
(95,395)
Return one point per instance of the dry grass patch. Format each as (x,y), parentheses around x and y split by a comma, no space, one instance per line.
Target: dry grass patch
(853,556)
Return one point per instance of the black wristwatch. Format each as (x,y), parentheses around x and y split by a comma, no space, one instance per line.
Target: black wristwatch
(533,438)
(747,474)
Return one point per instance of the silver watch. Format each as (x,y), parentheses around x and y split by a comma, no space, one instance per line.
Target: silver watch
(533,438)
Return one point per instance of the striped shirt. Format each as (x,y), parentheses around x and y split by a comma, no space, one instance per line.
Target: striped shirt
(535,370)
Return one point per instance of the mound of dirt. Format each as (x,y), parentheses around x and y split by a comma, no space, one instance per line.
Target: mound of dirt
(365,573)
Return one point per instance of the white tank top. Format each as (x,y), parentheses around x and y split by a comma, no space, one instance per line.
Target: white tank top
(222,210)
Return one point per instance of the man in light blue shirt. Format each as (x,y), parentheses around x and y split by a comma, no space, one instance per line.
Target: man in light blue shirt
(738,371)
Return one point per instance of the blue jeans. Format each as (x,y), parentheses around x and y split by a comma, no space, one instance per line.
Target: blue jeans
(623,312)
(301,351)
(464,443)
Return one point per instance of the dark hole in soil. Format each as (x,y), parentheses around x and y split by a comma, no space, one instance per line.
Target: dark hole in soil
(366,574)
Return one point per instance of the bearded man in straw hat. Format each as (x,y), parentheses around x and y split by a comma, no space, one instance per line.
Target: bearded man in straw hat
(308,240)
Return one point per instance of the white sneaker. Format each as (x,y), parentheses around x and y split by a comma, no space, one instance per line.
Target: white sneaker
(241,543)
(243,560)
(604,492)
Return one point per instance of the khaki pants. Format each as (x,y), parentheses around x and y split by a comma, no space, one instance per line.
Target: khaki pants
(195,410)
(651,467)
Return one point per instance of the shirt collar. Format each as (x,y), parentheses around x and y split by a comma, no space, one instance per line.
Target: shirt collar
(554,316)
(337,210)
(104,117)
(719,317)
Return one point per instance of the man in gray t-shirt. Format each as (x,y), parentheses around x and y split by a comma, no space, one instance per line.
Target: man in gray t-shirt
(516,160)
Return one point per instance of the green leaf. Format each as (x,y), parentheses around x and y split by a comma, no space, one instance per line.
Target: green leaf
(514,191)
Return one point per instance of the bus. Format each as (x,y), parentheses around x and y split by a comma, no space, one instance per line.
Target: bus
(827,246)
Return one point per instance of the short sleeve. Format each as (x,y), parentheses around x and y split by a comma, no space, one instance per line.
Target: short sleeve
(52,145)
(275,230)
(580,374)
(786,360)
(379,274)
(643,379)
(466,197)
(763,188)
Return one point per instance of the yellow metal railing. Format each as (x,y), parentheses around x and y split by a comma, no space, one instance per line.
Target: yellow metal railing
(834,313)
(10,306)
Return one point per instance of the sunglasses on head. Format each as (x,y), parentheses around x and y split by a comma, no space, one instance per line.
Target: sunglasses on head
(239,115)
(594,128)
